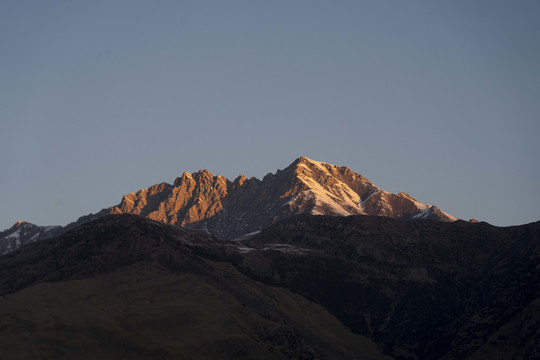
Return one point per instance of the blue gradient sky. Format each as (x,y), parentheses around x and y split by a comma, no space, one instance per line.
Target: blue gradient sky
(439,99)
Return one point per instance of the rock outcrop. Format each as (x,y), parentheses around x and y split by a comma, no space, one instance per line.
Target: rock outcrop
(231,209)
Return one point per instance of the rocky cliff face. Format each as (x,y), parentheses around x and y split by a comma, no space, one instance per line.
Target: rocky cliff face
(231,209)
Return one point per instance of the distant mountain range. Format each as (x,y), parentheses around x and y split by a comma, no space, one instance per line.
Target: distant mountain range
(230,209)
(312,262)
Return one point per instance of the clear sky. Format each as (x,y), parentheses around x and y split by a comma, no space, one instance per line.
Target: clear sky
(438,99)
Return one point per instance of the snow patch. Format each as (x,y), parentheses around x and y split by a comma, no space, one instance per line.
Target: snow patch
(244,249)
(422,214)
(14,235)
(251,233)
(340,199)
(291,200)
(421,206)
(246,236)
(286,248)
(450,217)
(49,228)
(321,165)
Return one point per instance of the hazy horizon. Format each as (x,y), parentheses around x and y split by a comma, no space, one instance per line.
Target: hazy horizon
(437,100)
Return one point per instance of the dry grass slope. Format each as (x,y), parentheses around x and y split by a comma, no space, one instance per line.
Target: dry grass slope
(151,310)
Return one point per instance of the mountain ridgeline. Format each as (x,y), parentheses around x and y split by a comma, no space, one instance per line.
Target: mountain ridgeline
(230,209)
(312,262)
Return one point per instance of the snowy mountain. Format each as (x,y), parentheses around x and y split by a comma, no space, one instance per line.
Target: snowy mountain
(337,190)
(231,209)
(22,233)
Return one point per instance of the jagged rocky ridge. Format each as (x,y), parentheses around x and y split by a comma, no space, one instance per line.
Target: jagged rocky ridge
(230,209)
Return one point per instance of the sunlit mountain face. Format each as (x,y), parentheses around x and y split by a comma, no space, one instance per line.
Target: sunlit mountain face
(230,209)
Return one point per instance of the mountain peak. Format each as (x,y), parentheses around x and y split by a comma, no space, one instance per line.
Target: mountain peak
(203,172)
(240,180)
(304,165)
(307,161)
(229,210)
(323,167)
(303,159)
(19,223)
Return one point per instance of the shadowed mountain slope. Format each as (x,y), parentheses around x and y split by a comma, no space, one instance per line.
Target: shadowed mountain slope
(123,287)
(421,289)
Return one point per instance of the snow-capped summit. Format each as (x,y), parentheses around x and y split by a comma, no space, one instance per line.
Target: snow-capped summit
(332,190)
(337,190)
(230,209)
(23,232)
